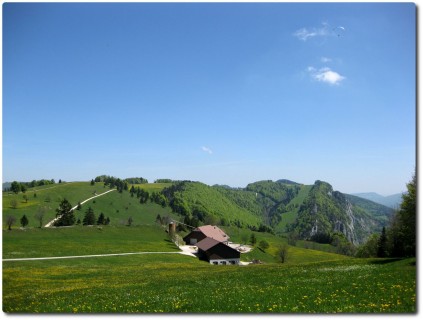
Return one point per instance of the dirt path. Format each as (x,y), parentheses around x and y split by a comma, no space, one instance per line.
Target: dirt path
(98,195)
(92,256)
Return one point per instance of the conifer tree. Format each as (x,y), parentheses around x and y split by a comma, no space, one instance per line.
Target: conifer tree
(24,221)
(101,219)
(64,214)
(382,251)
(89,218)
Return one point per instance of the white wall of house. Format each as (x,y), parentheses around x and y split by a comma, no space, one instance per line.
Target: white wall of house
(233,261)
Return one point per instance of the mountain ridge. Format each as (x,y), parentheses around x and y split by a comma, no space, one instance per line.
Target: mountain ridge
(311,211)
(393,201)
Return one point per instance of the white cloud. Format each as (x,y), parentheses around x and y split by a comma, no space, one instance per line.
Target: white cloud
(325,75)
(208,150)
(304,33)
(325,59)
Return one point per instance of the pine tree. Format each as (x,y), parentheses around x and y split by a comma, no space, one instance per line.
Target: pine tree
(407,215)
(24,221)
(382,251)
(101,219)
(89,218)
(65,214)
(402,230)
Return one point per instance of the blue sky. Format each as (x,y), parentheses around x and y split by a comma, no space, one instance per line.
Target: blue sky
(220,92)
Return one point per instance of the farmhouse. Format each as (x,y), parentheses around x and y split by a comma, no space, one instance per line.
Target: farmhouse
(217,252)
(212,244)
(207,231)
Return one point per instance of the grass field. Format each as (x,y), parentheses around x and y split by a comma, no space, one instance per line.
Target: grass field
(78,240)
(296,254)
(310,281)
(118,206)
(176,283)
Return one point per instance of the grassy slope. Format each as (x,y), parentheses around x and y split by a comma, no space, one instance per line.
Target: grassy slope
(176,283)
(217,204)
(118,206)
(289,217)
(73,192)
(78,240)
(296,255)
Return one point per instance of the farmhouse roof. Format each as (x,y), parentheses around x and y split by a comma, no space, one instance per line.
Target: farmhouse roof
(214,233)
(207,243)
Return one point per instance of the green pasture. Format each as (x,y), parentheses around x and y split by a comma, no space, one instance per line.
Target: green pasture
(296,254)
(176,283)
(117,206)
(84,240)
(289,217)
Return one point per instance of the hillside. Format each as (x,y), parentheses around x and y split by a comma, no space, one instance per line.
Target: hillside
(325,211)
(198,202)
(285,206)
(118,206)
(281,207)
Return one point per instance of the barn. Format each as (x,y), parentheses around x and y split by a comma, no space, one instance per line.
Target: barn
(207,231)
(217,252)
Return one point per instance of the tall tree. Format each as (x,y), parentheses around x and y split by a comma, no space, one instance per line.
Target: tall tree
(402,229)
(89,218)
(64,214)
(382,251)
(10,220)
(283,253)
(101,219)
(407,216)
(15,187)
(24,221)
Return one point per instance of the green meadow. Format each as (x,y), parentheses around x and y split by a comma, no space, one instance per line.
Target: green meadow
(311,282)
(117,206)
(176,283)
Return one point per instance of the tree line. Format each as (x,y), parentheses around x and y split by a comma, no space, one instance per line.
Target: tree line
(398,239)
(66,217)
(17,187)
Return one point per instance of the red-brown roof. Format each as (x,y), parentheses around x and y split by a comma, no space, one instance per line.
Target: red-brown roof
(214,233)
(207,243)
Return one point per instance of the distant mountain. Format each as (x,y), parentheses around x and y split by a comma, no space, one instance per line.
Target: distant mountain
(311,211)
(6,185)
(392,201)
(325,211)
